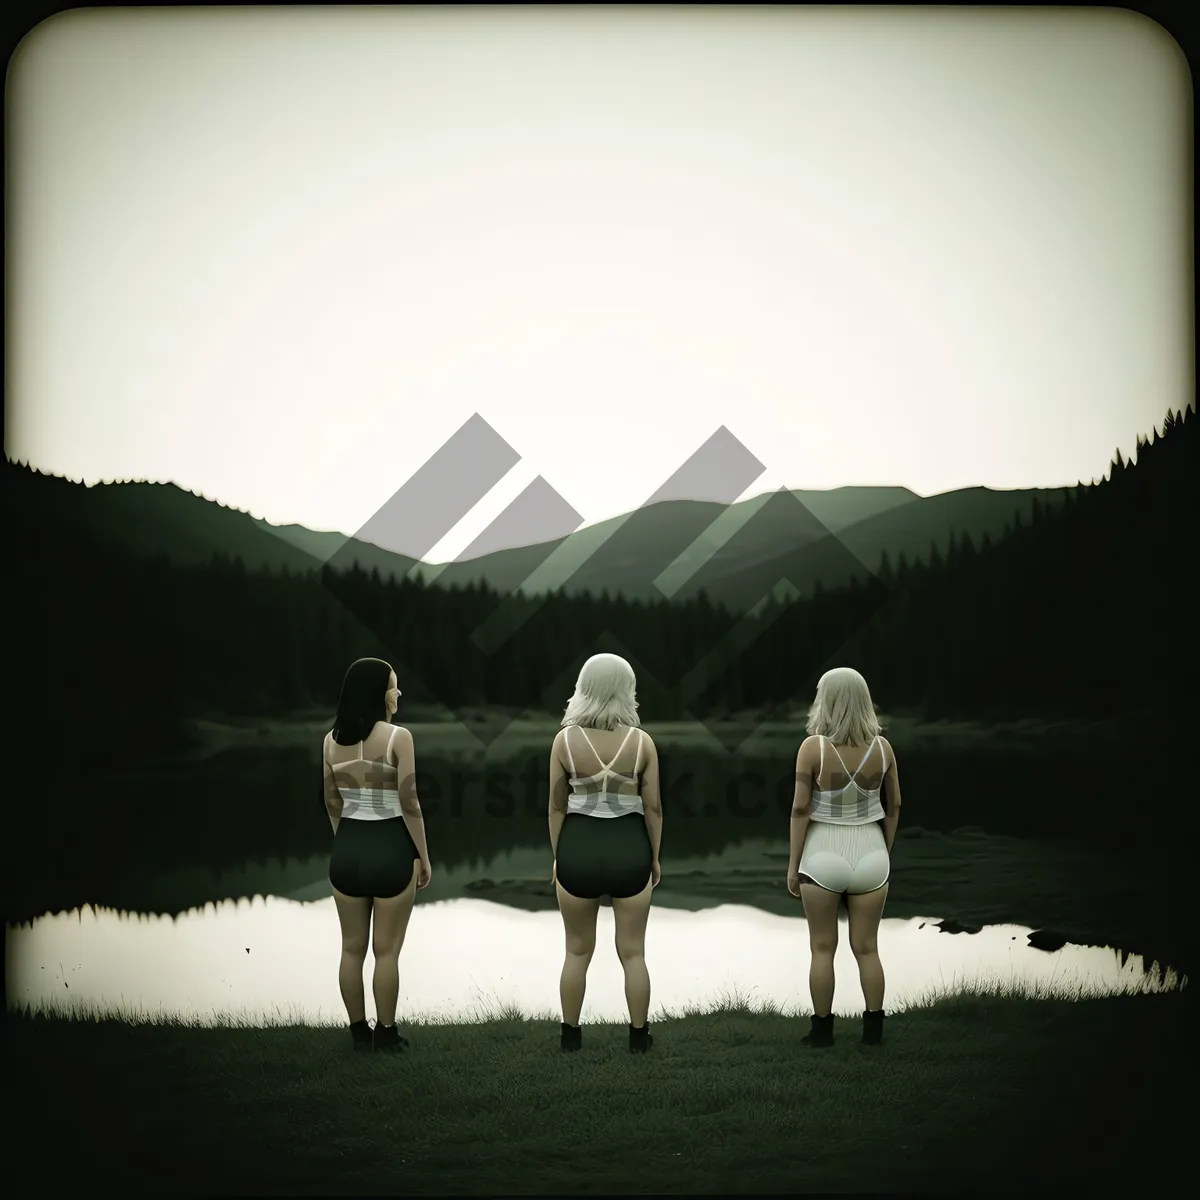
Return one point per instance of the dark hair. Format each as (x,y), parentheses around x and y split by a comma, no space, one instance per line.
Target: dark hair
(361,703)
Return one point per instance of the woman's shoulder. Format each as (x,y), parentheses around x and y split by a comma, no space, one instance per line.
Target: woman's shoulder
(643,736)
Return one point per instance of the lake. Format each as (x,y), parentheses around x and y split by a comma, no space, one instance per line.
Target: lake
(275,958)
(248,927)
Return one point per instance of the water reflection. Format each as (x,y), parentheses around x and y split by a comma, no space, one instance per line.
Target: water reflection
(272,959)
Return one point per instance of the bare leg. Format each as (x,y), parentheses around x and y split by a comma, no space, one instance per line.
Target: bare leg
(866,910)
(821,913)
(630,914)
(391,924)
(579,923)
(354,915)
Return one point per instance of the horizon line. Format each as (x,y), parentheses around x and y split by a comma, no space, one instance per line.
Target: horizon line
(1156,432)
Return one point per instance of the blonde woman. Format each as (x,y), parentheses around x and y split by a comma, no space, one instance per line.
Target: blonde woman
(605,830)
(844,815)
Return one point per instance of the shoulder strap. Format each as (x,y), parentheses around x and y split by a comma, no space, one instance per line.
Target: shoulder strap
(567,747)
(387,754)
(607,767)
(862,764)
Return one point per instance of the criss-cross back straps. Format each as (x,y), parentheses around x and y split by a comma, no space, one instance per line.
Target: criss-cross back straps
(606,767)
(862,764)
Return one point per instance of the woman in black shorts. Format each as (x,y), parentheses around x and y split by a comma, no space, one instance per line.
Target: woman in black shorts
(605,831)
(380,859)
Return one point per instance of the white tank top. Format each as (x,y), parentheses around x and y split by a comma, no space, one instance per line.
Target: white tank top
(852,804)
(608,793)
(375,797)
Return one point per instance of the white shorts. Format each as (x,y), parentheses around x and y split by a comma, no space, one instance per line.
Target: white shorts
(846,858)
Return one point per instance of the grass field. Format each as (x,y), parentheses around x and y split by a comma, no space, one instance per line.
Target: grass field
(982,1091)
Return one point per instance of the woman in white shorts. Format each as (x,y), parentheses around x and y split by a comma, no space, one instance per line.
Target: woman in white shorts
(844,816)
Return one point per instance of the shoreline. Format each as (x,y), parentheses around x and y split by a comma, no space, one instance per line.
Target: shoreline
(963,881)
(734,1002)
(484,734)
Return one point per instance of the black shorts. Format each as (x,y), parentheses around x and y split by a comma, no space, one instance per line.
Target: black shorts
(372,858)
(604,856)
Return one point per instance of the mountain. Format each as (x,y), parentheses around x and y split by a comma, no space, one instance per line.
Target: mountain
(152,519)
(626,554)
(147,519)
(736,552)
(912,529)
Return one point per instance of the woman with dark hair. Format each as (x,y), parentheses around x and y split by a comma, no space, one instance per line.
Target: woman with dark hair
(380,859)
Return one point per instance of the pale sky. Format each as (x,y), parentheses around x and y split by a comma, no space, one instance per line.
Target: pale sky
(280,256)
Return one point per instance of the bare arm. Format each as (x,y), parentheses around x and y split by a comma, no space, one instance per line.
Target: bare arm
(801,807)
(333,798)
(410,804)
(559,791)
(891,798)
(652,796)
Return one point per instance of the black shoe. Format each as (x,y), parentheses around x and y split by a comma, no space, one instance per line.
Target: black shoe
(640,1040)
(873,1028)
(360,1035)
(389,1041)
(571,1038)
(821,1033)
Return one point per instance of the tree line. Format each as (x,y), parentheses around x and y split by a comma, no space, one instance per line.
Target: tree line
(1078,609)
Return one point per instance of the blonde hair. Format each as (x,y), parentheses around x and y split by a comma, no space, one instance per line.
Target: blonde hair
(605,694)
(842,710)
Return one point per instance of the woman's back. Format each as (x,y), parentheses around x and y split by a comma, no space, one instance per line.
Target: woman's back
(604,771)
(366,775)
(847,788)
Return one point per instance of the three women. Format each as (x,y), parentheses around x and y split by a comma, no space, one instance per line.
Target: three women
(605,823)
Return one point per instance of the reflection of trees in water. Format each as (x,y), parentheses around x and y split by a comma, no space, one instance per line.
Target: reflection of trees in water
(265,809)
